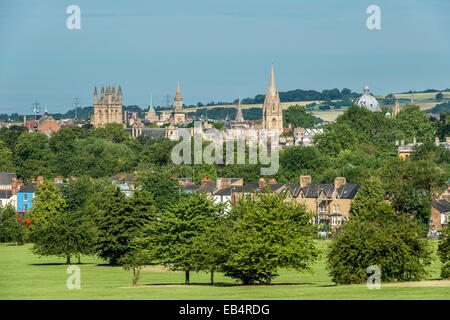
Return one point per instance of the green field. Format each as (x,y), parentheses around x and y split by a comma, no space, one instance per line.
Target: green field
(26,276)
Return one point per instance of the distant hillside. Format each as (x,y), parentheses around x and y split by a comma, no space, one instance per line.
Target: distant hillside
(442,107)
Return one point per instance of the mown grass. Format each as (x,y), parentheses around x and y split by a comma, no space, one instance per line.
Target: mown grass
(26,276)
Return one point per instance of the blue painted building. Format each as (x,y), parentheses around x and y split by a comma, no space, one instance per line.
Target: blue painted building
(24,197)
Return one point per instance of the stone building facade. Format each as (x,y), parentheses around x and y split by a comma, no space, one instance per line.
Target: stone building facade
(107,109)
(272,110)
(178,114)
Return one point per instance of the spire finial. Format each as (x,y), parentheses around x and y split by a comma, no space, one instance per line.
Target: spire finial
(272,90)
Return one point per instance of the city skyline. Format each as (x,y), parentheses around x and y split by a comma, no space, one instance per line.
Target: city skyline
(147,48)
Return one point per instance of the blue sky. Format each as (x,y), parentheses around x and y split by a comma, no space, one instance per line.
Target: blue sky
(219,50)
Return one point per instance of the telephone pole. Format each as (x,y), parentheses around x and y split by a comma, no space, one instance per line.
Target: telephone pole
(76,105)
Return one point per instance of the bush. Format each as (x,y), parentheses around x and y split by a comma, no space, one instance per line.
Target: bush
(389,241)
(444,252)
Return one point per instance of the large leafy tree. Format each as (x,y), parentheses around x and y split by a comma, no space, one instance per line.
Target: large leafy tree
(410,186)
(444,252)
(119,220)
(163,188)
(269,233)
(414,123)
(298,117)
(6,158)
(49,230)
(368,197)
(378,236)
(172,236)
(78,221)
(12,226)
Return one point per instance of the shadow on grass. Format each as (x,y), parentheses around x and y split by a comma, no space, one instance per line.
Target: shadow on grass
(221,284)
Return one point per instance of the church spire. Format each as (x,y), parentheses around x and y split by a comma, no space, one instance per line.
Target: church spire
(272,90)
(239,117)
(151,102)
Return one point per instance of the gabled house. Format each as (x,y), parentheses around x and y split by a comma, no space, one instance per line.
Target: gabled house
(26,195)
(9,185)
(329,202)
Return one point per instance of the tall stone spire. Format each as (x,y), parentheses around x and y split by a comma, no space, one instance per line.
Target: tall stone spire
(239,117)
(178,114)
(151,102)
(272,89)
(178,100)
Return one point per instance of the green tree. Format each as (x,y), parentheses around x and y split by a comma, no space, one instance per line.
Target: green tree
(79,222)
(172,237)
(270,233)
(164,190)
(444,252)
(112,131)
(6,158)
(414,123)
(119,221)
(368,197)
(210,248)
(298,117)
(49,230)
(439,96)
(134,260)
(389,99)
(12,227)
(382,238)
(410,186)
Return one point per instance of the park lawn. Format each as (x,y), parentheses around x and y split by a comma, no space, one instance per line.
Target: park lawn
(26,276)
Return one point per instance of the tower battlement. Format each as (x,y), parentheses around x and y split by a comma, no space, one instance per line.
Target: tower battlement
(107,109)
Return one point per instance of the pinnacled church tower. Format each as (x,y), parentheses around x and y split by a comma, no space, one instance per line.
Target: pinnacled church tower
(178,114)
(239,116)
(272,111)
(107,109)
(151,113)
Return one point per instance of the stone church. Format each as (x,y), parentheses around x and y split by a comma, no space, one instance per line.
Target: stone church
(107,109)
(272,110)
(178,114)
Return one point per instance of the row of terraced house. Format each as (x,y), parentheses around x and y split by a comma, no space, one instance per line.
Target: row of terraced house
(330,203)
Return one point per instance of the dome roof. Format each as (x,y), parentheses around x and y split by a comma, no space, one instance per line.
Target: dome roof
(368,101)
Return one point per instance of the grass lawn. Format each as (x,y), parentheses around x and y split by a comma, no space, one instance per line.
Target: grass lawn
(26,276)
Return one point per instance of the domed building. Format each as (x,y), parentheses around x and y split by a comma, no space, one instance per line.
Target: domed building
(368,101)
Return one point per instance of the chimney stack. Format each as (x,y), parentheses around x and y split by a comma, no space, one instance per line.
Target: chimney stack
(14,186)
(396,142)
(414,141)
(339,181)
(304,181)
(447,139)
(40,180)
(262,183)
(402,143)
(272,181)
(436,140)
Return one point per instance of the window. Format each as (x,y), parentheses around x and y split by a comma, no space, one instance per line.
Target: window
(25,207)
(25,197)
(338,208)
(301,196)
